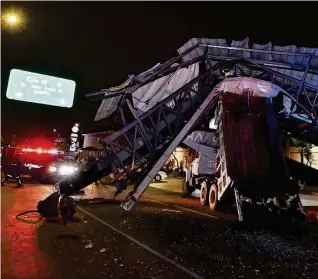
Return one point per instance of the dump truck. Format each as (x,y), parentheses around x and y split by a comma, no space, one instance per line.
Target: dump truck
(252,95)
(243,154)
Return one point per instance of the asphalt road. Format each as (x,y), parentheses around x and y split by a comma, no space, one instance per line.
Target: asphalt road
(164,236)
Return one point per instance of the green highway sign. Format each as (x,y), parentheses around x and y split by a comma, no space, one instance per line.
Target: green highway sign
(42,89)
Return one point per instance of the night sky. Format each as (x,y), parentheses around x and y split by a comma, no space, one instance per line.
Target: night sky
(98,44)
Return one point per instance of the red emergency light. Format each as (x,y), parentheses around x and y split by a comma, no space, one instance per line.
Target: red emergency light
(40,150)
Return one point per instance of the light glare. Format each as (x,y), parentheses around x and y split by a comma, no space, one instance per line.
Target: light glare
(12,20)
(52,169)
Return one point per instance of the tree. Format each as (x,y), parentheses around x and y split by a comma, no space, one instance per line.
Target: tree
(308,154)
(305,151)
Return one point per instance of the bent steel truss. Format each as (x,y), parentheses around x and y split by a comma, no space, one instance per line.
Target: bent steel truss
(147,138)
(295,71)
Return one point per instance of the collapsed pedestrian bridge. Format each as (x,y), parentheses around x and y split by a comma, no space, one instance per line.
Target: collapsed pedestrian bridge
(289,69)
(170,100)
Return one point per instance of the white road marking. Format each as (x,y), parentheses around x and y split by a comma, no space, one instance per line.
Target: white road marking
(170,210)
(184,208)
(197,212)
(178,206)
(159,255)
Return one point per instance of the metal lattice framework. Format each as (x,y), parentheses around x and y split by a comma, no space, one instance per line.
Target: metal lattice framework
(155,128)
(304,92)
(146,138)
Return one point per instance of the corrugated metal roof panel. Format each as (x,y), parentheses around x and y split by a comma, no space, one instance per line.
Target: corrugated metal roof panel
(297,59)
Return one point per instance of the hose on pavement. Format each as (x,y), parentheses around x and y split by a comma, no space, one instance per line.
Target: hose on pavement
(26,212)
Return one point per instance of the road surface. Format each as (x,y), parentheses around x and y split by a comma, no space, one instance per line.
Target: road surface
(165,236)
(309,200)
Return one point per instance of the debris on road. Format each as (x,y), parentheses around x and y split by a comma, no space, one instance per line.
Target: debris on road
(88,246)
(102,250)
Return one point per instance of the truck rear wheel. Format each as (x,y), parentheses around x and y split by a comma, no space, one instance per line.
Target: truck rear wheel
(204,193)
(213,196)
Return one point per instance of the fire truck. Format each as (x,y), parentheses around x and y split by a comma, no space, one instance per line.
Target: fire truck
(43,165)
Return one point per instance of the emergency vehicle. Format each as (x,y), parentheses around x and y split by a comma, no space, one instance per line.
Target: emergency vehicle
(44,165)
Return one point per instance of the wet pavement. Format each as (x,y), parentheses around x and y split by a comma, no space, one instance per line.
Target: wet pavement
(309,200)
(164,236)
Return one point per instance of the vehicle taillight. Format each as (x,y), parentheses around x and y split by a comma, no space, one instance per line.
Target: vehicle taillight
(28,150)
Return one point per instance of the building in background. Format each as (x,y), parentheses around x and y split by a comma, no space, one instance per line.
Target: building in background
(92,147)
(295,154)
(181,157)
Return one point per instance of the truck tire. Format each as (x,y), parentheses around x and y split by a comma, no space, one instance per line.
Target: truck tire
(186,188)
(213,196)
(204,193)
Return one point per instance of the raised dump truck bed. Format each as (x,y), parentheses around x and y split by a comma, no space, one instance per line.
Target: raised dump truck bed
(252,144)
(245,137)
(252,147)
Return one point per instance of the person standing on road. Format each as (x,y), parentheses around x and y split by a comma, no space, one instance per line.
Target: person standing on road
(91,160)
(4,167)
(16,171)
(96,160)
(195,166)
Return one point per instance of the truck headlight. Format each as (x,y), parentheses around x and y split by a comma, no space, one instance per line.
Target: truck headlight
(52,169)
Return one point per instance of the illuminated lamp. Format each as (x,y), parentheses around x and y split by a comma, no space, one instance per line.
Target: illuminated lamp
(75,129)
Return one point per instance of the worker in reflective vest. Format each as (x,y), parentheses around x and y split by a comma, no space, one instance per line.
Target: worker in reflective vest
(15,171)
